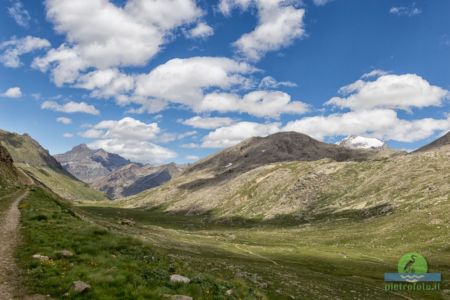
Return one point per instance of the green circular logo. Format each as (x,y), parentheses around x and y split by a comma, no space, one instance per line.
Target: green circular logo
(412,263)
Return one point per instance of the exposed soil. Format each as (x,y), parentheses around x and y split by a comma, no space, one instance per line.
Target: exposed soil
(9,237)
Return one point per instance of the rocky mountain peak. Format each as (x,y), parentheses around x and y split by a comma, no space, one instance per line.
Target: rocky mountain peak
(81,147)
(88,164)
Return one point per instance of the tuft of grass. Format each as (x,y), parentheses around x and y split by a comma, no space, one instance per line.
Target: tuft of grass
(116,266)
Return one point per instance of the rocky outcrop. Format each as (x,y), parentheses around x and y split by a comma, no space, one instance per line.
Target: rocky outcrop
(8,173)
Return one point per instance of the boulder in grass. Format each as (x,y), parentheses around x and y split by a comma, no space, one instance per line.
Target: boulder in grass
(41,258)
(127,222)
(80,286)
(66,253)
(179,279)
(180,297)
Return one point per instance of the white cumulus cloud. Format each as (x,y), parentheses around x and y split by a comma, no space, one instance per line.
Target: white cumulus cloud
(256,103)
(92,133)
(201,30)
(228,136)
(226,6)
(131,138)
(208,123)
(269,82)
(279,24)
(18,12)
(409,11)
(374,74)
(321,2)
(14,92)
(190,146)
(390,91)
(64,120)
(70,107)
(106,83)
(193,76)
(68,135)
(135,150)
(128,128)
(103,35)
(383,124)
(14,48)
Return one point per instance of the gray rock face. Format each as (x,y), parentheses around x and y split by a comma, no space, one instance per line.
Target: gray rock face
(88,165)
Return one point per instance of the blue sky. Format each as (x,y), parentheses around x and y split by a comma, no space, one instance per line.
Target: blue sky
(176,80)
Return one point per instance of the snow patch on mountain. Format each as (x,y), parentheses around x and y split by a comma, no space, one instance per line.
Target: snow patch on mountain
(360,142)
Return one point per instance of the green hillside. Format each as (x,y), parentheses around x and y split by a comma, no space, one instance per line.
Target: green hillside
(30,157)
(63,185)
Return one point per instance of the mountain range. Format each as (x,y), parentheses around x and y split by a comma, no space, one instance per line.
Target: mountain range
(261,177)
(112,174)
(88,165)
(281,174)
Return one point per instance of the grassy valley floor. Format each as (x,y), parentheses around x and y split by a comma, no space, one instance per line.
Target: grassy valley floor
(332,258)
(116,266)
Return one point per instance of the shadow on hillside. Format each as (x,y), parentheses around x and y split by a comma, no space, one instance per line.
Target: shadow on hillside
(186,220)
(147,182)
